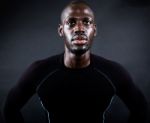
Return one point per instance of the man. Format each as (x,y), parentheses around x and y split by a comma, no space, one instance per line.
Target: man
(76,86)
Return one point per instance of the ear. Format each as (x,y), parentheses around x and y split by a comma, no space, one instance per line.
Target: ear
(95,30)
(60,30)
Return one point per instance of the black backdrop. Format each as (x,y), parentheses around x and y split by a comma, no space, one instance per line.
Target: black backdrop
(29,32)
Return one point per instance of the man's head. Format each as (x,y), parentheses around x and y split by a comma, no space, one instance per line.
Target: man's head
(77,27)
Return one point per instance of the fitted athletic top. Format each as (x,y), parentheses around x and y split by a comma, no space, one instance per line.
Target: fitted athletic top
(76,95)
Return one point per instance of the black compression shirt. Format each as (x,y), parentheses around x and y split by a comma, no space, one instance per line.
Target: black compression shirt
(75,95)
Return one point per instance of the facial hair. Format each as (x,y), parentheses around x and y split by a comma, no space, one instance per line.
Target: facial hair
(79,50)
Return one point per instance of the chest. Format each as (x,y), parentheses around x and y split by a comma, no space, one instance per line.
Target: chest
(75,83)
(76,89)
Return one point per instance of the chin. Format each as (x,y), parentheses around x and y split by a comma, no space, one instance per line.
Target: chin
(80,50)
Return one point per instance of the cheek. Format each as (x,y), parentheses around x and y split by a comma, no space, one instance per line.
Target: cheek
(67,34)
(90,33)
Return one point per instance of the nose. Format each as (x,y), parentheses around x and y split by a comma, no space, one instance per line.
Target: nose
(79,29)
(79,32)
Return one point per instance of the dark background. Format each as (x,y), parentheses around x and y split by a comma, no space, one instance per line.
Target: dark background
(28,32)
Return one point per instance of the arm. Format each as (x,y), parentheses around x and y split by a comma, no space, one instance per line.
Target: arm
(131,95)
(136,103)
(20,94)
(13,105)
(138,107)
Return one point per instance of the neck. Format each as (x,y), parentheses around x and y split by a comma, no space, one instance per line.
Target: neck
(76,61)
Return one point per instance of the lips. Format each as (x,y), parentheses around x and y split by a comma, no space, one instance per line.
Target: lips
(79,39)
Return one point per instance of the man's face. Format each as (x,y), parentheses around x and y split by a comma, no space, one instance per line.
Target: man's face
(78,28)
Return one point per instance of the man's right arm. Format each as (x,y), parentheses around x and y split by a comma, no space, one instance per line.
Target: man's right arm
(21,93)
(13,105)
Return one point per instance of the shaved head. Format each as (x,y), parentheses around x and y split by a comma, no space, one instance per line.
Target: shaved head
(77,5)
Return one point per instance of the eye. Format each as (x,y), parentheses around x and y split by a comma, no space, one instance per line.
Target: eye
(87,21)
(71,22)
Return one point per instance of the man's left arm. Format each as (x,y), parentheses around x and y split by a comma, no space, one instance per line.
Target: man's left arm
(136,103)
(131,95)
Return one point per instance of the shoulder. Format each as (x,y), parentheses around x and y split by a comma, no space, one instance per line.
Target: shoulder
(46,63)
(36,71)
(116,72)
(106,64)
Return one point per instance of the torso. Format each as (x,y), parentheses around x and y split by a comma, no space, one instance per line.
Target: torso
(76,95)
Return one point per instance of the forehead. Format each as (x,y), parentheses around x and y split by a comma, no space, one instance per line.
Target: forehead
(77,11)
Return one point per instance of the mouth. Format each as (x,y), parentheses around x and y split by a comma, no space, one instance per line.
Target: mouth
(79,40)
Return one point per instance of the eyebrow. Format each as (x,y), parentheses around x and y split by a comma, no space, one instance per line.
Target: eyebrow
(72,17)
